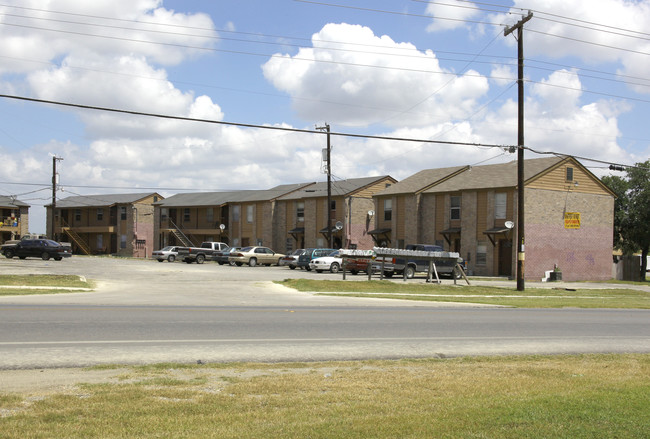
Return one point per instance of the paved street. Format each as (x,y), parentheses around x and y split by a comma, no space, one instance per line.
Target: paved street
(144,311)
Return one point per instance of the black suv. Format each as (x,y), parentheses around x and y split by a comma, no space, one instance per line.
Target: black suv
(39,248)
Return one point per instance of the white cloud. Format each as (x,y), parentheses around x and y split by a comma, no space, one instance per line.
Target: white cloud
(450,15)
(609,31)
(374,80)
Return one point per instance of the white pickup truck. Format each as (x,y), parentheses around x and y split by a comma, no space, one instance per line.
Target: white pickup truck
(200,254)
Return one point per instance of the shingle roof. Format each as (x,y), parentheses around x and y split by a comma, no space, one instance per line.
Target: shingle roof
(420,180)
(202,199)
(493,176)
(221,198)
(100,200)
(339,188)
(9,202)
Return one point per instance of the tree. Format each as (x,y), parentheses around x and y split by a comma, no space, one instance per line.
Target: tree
(632,211)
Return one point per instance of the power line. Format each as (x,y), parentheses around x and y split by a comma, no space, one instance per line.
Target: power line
(244,125)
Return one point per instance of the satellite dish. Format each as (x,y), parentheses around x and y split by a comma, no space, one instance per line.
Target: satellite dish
(509,224)
(338,225)
(222,227)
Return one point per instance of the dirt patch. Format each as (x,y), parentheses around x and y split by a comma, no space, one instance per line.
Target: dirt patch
(48,381)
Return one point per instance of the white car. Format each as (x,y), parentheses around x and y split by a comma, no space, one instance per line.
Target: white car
(168,253)
(331,262)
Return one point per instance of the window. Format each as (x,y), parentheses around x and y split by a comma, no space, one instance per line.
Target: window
(100,214)
(186,214)
(569,174)
(77,214)
(455,208)
(235,212)
(249,214)
(163,213)
(388,210)
(123,213)
(500,204)
(122,241)
(320,242)
(100,242)
(300,211)
(481,254)
(209,214)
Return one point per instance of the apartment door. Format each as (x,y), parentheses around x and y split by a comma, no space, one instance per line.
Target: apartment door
(505,258)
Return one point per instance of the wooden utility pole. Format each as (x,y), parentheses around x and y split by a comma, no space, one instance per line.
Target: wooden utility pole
(521,255)
(54,184)
(330,241)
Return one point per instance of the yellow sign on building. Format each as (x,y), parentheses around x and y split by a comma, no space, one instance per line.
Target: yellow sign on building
(572,220)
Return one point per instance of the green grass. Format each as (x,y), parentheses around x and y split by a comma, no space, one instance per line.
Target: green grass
(41,280)
(586,396)
(530,298)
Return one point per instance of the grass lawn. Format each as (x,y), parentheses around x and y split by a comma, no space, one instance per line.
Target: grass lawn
(530,298)
(38,284)
(586,396)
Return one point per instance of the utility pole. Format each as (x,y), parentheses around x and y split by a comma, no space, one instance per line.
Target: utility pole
(55,181)
(330,241)
(521,255)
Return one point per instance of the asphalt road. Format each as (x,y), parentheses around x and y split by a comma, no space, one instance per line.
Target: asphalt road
(145,312)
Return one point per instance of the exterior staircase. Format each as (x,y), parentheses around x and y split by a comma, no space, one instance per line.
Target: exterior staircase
(81,244)
(178,233)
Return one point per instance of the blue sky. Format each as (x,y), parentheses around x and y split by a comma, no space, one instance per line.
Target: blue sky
(438,70)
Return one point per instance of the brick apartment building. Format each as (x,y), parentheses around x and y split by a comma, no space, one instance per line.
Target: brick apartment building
(118,224)
(569,216)
(301,217)
(14,218)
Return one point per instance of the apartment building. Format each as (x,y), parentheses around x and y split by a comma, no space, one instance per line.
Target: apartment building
(238,218)
(118,224)
(569,216)
(302,218)
(14,218)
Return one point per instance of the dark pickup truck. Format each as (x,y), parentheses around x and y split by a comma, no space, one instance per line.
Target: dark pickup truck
(200,254)
(409,265)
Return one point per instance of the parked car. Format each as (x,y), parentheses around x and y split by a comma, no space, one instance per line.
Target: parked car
(221,256)
(254,256)
(39,248)
(312,253)
(169,253)
(291,260)
(331,262)
(357,265)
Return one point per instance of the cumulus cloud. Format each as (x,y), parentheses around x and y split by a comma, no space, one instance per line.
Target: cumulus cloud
(450,15)
(609,31)
(374,80)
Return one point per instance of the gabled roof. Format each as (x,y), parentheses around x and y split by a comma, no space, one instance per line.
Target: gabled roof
(422,180)
(103,200)
(339,188)
(10,202)
(494,176)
